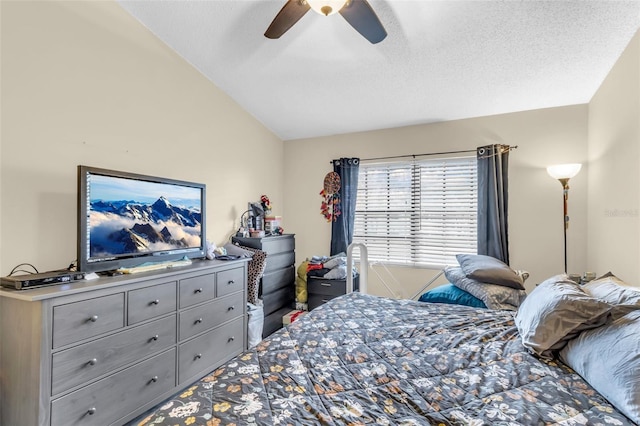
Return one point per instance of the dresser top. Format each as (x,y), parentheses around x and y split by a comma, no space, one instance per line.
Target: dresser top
(66,289)
(265,238)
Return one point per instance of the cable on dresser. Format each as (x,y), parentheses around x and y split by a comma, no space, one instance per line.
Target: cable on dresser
(15,269)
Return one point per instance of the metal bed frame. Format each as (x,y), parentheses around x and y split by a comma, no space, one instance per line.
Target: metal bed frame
(364,268)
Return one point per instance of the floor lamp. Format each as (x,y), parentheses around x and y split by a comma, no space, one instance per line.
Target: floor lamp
(564,172)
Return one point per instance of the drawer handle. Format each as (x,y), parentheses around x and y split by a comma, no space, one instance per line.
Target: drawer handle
(93,361)
(93,318)
(325,284)
(154,379)
(198,290)
(91,411)
(198,321)
(231,339)
(197,357)
(155,338)
(230,308)
(155,302)
(231,282)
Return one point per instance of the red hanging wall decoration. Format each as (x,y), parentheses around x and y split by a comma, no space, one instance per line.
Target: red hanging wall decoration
(330,207)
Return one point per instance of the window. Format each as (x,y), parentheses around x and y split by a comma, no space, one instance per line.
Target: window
(417,213)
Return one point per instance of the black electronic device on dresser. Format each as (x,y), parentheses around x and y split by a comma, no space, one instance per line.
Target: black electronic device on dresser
(277,285)
(321,290)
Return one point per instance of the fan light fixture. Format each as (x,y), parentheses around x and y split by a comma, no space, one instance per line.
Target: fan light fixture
(327,7)
(358,13)
(564,172)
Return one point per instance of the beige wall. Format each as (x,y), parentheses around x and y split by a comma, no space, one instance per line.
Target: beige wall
(85,83)
(543,137)
(614,172)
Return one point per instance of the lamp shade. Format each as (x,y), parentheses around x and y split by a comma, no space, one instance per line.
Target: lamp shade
(326,7)
(564,171)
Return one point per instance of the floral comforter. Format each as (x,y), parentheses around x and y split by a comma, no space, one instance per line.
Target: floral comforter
(361,359)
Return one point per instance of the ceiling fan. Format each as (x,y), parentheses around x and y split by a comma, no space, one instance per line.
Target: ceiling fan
(358,13)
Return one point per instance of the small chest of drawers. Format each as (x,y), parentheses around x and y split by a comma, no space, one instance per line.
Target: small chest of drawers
(102,352)
(320,290)
(277,285)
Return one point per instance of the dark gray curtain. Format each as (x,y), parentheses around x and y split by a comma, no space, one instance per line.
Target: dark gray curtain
(493,197)
(342,227)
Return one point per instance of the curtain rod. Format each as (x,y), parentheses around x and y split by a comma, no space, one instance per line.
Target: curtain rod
(466,151)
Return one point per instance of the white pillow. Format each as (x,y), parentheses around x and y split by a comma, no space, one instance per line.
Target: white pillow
(613,290)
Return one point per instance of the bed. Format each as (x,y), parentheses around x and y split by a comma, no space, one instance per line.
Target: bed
(362,359)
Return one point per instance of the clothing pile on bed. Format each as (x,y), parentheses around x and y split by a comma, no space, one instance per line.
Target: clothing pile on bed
(331,268)
(480,281)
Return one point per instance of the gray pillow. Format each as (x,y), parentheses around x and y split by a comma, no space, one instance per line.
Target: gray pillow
(489,270)
(555,312)
(609,359)
(494,296)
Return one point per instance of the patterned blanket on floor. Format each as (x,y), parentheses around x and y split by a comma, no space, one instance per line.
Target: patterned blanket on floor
(361,359)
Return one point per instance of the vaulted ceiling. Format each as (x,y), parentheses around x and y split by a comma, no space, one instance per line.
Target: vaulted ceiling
(441,60)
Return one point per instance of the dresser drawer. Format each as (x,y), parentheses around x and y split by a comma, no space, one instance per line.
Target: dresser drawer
(328,287)
(85,362)
(229,281)
(315,300)
(270,245)
(205,352)
(279,261)
(109,399)
(204,317)
(197,289)
(275,280)
(273,245)
(80,320)
(325,286)
(277,299)
(149,302)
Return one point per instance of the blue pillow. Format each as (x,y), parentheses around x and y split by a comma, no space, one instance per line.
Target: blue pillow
(453,295)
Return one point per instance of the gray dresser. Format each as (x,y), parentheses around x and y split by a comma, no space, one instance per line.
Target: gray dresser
(102,352)
(277,286)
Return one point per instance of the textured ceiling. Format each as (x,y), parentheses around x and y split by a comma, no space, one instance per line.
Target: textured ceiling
(441,60)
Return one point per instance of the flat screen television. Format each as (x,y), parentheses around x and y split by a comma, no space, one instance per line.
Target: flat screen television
(127,219)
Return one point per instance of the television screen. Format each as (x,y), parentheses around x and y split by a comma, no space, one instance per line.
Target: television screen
(127,219)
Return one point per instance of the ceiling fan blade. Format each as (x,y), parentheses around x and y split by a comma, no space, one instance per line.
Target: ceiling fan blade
(290,13)
(362,17)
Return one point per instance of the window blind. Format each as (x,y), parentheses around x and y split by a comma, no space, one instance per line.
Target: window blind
(418,212)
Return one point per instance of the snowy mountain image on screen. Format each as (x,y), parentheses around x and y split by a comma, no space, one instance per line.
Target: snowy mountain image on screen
(123,227)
